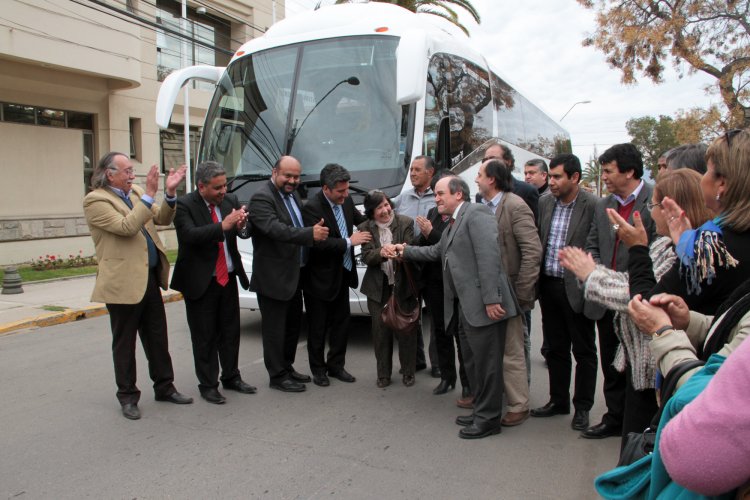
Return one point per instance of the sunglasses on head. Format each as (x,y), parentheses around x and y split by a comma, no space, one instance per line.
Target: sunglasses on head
(731,135)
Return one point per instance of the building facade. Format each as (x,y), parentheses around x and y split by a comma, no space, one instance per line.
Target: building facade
(79,78)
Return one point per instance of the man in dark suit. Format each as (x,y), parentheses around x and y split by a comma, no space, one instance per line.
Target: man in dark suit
(330,272)
(622,169)
(122,218)
(565,220)
(208,222)
(280,248)
(472,275)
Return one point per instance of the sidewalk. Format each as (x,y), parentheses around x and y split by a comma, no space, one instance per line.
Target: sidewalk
(53,302)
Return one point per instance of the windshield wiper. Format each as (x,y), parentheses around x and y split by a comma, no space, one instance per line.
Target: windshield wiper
(245,178)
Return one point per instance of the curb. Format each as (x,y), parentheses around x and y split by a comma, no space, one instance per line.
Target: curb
(70,315)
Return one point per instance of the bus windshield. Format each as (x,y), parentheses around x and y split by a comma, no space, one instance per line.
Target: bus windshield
(327,101)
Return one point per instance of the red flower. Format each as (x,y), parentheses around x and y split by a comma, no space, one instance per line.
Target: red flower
(51,257)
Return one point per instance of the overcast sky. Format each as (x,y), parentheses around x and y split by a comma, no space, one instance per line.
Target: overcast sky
(536,44)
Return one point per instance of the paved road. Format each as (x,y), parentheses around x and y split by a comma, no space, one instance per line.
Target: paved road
(63,436)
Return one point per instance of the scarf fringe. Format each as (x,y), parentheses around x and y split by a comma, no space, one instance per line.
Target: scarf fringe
(710,253)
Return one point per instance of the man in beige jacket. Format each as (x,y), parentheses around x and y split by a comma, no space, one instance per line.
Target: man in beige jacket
(521,253)
(122,219)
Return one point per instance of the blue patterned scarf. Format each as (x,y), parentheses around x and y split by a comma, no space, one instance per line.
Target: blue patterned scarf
(701,251)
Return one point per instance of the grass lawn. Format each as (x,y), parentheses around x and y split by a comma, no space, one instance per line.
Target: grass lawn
(29,274)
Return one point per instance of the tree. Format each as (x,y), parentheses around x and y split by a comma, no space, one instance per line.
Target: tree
(698,125)
(591,178)
(440,8)
(652,137)
(710,36)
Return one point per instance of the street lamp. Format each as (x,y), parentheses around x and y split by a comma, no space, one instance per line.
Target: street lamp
(573,106)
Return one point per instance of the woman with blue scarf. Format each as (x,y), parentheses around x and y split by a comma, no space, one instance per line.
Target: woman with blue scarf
(711,261)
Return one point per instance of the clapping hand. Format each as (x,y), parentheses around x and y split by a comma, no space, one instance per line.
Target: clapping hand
(577,261)
(174,178)
(630,235)
(677,219)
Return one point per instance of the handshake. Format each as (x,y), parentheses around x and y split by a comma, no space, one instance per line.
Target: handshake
(392,251)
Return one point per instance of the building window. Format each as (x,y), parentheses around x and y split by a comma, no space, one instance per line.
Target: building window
(212,31)
(135,139)
(19,113)
(172,144)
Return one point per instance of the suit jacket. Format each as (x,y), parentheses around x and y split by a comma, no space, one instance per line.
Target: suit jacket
(121,248)
(521,248)
(276,244)
(529,194)
(198,237)
(471,262)
(432,272)
(402,229)
(601,239)
(578,231)
(325,266)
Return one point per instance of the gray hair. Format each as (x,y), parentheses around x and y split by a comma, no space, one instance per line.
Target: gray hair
(539,163)
(332,174)
(99,178)
(692,156)
(207,170)
(458,185)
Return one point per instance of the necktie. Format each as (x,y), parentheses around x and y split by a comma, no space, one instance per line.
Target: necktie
(297,223)
(222,275)
(344,234)
(153,257)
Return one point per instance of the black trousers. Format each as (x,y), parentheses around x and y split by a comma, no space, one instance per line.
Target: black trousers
(563,330)
(214,321)
(280,325)
(444,337)
(328,319)
(614,381)
(640,408)
(147,320)
(483,349)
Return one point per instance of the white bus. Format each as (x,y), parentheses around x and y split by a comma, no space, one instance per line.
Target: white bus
(368,86)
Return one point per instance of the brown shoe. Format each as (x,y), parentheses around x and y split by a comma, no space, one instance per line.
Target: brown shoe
(512,419)
(467,402)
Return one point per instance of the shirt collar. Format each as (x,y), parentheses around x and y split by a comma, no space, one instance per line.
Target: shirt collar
(119,192)
(495,201)
(455,212)
(632,196)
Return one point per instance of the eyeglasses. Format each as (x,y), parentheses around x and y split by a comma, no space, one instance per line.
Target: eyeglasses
(651,206)
(731,135)
(126,171)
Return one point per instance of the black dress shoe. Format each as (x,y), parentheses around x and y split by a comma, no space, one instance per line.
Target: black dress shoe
(580,420)
(213,396)
(321,380)
(342,375)
(131,411)
(444,386)
(298,377)
(239,385)
(288,385)
(464,420)
(435,372)
(601,431)
(176,398)
(550,409)
(478,431)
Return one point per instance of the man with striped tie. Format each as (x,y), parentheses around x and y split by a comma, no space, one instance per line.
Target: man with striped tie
(208,265)
(330,272)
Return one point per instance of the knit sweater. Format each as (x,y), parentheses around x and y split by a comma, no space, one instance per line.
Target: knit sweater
(610,288)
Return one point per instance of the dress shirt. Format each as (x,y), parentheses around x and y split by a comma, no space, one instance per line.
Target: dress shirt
(558,233)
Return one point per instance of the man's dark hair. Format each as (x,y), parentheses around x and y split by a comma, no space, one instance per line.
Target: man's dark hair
(429,163)
(538,163)
(458,185)
(571,164)
(332,174)
(692,156)
(495,169)
(627,157)
(373,199)
(443,172)
(508,157)
(207,170)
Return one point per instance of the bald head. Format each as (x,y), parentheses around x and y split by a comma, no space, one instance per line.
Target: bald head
(286,174)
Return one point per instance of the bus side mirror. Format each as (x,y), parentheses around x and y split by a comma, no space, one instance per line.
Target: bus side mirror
(171,86)
(411,67)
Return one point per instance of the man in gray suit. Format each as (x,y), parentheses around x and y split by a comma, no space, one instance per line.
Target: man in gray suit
(564,220)
(622,169)
(473,282)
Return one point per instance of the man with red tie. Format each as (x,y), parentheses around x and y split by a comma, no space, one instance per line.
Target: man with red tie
(208,264)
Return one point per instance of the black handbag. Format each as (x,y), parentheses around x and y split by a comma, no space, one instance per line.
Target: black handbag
(639,444)
(393,317)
